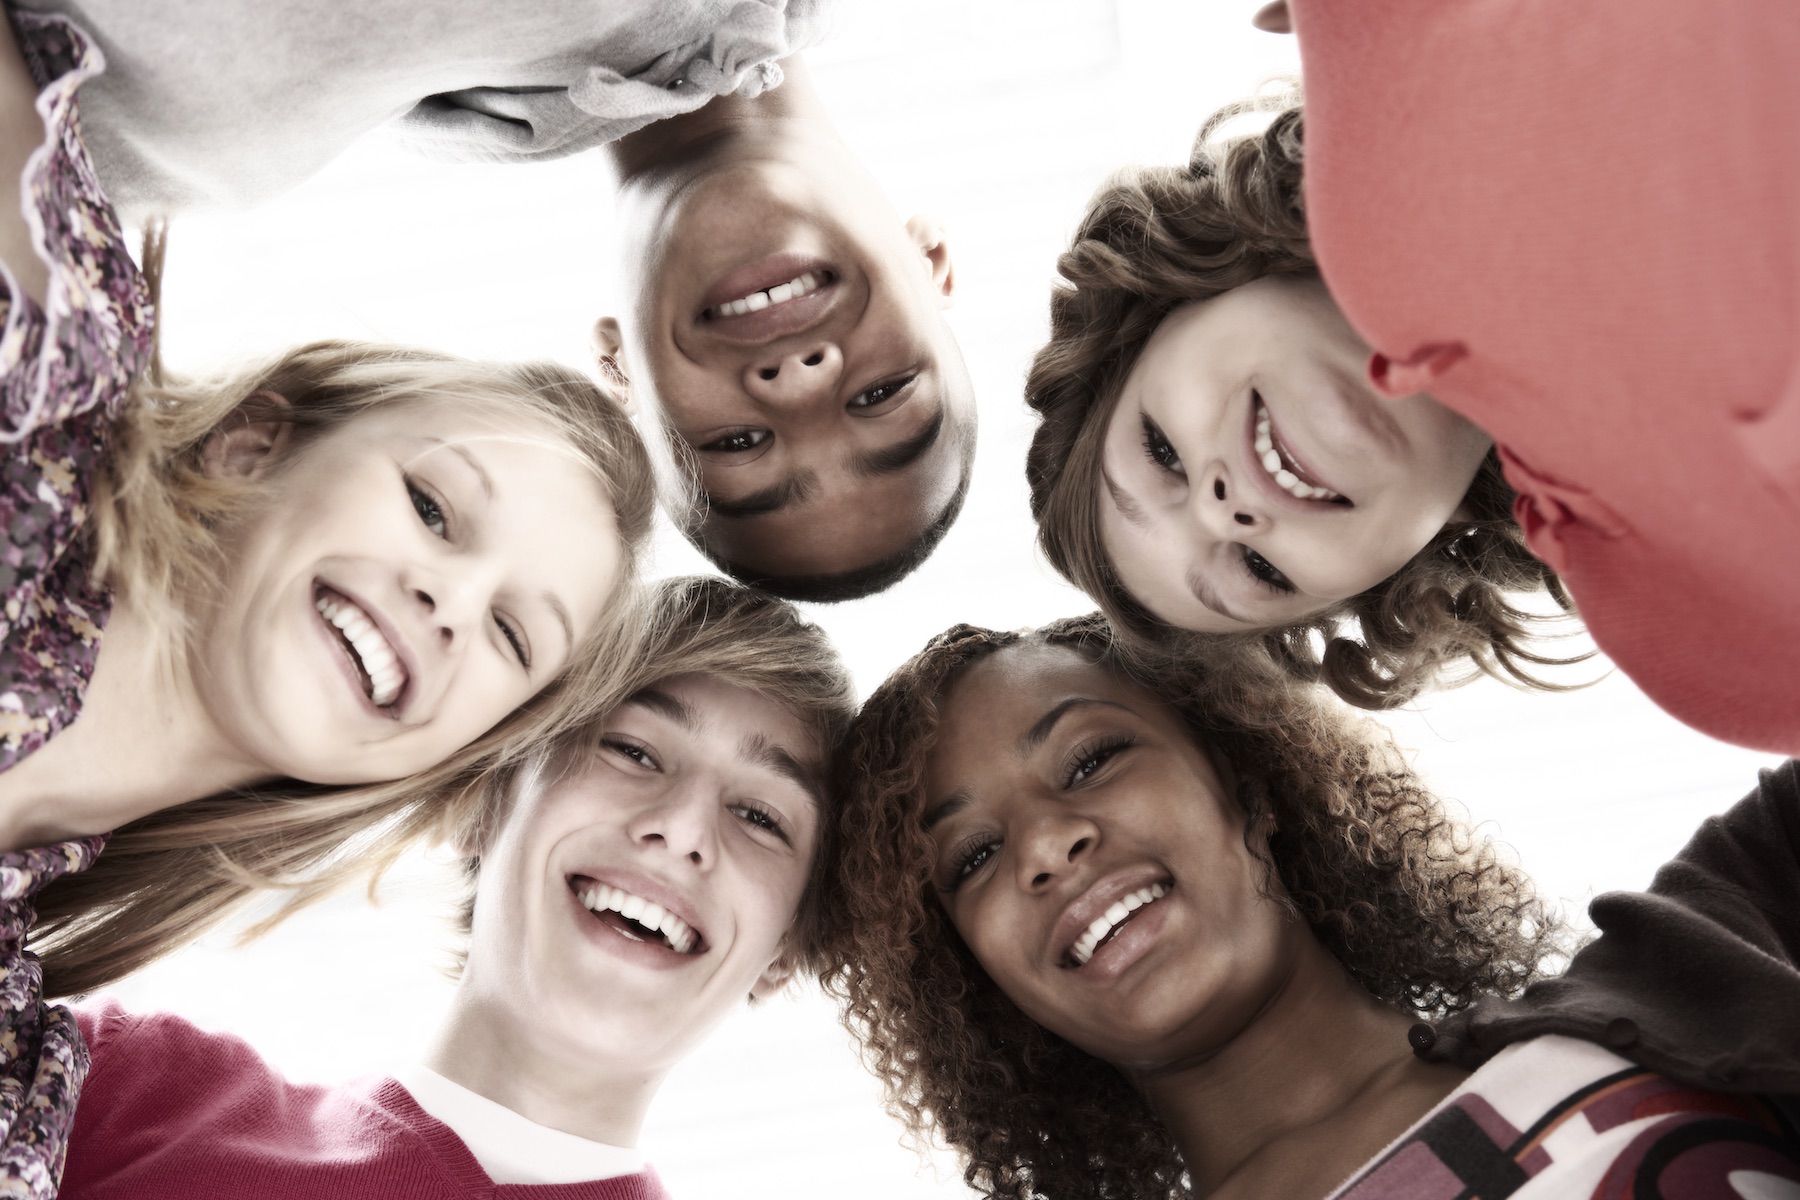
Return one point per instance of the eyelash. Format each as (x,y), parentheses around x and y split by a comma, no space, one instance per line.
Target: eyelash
(739,441)
(1263,573)
(892,387)
(760,818)
(1094,755)
(966,858)
(423,500)
(1158,450)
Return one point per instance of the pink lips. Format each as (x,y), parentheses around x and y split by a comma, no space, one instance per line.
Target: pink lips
(1254,468)
(777,320)
(1099,897)
(409,663)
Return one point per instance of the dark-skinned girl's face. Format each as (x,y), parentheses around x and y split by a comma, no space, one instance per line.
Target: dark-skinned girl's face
(1095,863)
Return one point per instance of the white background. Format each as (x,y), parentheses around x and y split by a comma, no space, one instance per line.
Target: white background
(1000,118)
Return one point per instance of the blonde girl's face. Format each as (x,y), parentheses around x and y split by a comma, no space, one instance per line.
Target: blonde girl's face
(414,576)
(1251,476)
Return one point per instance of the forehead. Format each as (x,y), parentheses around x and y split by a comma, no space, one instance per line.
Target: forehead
(726,718)
(1003,695)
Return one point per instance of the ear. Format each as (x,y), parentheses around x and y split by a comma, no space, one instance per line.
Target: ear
(246,444)
(1274,17)
(608,345)
(928,235)
(776,975)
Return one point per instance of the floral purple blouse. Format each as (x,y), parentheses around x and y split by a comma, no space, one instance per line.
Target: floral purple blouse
(65,369)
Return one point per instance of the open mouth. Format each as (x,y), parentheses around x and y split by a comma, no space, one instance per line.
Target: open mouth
(378,667)
(804,284)
(1279,462)
(1116,917)
(636,918)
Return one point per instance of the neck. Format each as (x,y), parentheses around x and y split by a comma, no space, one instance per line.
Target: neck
(792,113)
(531,1070)
(1312,1089)
(143,741)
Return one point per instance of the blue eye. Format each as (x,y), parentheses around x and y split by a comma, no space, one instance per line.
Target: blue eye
(431,513)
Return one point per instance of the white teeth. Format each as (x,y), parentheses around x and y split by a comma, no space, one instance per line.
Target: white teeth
(1270,458)
(652,916)
(386,675)
(781,293)
(1083,949)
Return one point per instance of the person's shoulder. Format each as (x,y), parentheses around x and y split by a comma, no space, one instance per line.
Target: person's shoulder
(164,1053)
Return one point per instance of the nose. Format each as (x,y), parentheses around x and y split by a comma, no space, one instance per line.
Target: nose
(682,820)
(1226,510)
(448,602)
(795,379)
(1050,844)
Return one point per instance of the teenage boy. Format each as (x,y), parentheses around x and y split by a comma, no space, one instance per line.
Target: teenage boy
(630,888)
(788,336)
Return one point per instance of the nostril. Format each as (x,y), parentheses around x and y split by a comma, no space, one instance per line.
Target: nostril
(1077,848)
(1244,518)
(769,372)
(814,359)
(424,597)
(1218,489)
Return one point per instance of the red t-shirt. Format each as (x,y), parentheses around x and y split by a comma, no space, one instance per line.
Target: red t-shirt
(170,1112)
(1579,226)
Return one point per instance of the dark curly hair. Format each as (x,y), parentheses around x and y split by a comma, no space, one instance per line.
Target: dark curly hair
(1156,238)
(1422,914)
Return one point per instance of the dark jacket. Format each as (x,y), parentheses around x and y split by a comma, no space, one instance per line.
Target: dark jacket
(1697,979)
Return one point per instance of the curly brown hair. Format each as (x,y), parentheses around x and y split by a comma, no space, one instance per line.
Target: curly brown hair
(1422,914)
(1156,238)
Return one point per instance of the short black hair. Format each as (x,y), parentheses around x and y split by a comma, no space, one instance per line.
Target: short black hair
(857,582)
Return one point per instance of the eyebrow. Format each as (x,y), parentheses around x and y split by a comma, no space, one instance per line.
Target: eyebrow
(1029,741)
(761,751)
(794,489)
(1128,508)
(468,456)
(554,603)
(900,455)
(665,705)
(1204,592)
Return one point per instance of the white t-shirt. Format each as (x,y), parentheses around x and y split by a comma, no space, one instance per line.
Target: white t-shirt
(509,1147)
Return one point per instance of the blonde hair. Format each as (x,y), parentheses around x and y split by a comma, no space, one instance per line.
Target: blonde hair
(705,625)
(156,541)
(1156,238)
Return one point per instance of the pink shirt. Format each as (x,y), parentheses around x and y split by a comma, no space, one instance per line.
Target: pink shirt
(170,1112)
(1579,226)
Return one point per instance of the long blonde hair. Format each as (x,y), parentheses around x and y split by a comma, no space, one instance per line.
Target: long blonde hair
(156,541)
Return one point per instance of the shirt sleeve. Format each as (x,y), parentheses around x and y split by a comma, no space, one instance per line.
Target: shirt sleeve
(42,1057)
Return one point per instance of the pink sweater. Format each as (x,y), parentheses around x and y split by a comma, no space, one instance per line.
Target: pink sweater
(169,1111)
(1578,224)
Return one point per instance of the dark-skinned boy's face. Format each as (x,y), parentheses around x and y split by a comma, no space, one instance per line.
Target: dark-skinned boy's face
(789,335)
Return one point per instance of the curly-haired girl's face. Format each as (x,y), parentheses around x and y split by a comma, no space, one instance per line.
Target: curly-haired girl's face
(1096,865)
(1251,475)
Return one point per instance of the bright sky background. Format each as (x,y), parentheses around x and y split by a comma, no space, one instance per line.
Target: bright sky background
(1000,117)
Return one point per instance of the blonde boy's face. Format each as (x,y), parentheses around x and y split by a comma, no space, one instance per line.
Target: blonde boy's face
(635,897)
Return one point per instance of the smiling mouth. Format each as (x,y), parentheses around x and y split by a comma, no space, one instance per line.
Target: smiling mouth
(782,293)
(378,667)
(636,918)
(1279,463)
(1115,918)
